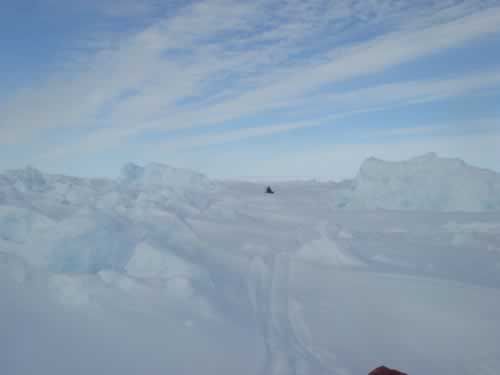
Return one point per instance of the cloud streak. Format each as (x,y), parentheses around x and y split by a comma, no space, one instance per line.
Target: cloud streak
(351,103)
(217,61)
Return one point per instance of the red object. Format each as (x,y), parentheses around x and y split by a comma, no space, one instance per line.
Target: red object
(386,371)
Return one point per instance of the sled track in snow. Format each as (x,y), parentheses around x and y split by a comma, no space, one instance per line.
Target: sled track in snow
(286,352)
(277,316)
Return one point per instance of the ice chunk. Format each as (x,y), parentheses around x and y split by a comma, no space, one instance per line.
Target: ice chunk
(427,182)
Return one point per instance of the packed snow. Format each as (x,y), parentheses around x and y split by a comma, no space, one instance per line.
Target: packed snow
(164,270)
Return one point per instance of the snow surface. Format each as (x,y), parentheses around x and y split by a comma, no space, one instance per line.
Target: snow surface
(166,271)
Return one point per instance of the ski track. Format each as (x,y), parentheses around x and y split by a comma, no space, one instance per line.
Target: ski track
(289,349)
(286,352)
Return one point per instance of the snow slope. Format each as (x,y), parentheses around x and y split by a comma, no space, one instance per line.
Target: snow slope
(166,271)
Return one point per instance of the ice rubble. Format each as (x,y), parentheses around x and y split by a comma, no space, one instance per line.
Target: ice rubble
(427,182)
(170,247)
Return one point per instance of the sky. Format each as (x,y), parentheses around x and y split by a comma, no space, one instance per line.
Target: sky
(280,89)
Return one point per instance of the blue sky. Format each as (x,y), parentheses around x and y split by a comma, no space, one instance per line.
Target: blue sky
(282,88)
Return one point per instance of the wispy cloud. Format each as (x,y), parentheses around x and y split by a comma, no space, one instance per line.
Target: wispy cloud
(353,102)
(407,92)
(233,135)
(213,61)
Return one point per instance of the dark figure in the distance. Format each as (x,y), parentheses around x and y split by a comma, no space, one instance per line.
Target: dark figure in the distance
(386,371)
(269,190)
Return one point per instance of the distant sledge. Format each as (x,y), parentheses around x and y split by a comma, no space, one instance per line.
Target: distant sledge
(386,371)
(269,190)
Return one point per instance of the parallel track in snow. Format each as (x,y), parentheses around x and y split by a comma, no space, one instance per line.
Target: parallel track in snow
(286,351)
